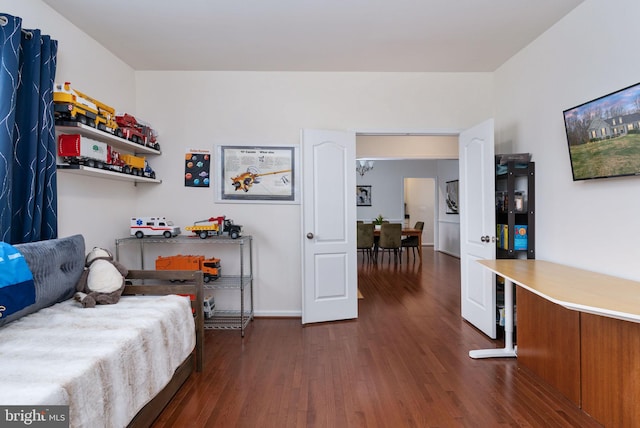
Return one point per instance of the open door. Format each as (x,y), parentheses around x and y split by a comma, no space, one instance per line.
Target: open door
(329,266)
(477,226)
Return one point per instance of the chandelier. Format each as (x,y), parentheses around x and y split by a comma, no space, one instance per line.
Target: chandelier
(363,166)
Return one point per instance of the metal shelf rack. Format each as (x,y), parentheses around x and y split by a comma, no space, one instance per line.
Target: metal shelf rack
(221,319)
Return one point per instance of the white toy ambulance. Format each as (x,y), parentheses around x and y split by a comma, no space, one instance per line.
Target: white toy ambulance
(153,226)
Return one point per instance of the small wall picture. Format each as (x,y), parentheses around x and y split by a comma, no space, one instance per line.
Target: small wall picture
(363,196)
(196,168)
(451,194)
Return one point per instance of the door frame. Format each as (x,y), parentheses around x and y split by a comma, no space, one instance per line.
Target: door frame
(400,132)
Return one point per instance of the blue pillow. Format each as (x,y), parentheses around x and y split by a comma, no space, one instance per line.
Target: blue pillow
(17,290)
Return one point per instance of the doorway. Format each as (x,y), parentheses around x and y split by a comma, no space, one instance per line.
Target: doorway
(431,155)
(420,204)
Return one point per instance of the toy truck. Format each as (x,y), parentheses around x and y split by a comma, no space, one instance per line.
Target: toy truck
(115,163)
(215,226)
(138,165)
(137,131)
(210,267)
(71,105)
(148,172)
(153,226)
(78,150)
(74,149)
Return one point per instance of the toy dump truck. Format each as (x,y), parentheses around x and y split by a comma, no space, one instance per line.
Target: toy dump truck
(138,165)
(210,267)
(215,226)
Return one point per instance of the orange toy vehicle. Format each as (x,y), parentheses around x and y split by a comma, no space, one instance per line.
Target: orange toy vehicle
(210,267)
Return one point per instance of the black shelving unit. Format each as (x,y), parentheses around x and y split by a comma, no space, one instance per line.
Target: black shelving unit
(515,206)
(512,179)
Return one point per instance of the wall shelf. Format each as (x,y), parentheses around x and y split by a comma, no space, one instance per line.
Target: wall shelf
(103,173)
(117,142)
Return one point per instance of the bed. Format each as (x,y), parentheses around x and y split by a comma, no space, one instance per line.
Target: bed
(113,365)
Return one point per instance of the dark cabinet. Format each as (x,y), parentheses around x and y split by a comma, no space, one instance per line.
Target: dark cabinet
(515,209)
(515,218)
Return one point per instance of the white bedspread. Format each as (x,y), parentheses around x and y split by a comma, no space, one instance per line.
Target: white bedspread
(106,362)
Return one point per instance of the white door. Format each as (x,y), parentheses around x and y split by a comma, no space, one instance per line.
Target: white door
(329,267)
(477,226)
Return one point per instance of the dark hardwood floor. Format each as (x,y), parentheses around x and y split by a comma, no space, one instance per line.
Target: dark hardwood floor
(403,363)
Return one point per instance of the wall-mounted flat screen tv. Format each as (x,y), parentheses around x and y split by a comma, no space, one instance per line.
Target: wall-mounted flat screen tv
(604,135)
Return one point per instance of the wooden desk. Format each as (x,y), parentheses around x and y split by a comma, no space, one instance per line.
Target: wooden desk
(579,331)
(408,232)
(573,288)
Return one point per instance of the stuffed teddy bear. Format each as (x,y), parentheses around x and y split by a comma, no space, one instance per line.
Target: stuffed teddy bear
(102,280)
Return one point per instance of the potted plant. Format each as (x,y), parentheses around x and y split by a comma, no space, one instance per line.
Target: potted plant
(378,221)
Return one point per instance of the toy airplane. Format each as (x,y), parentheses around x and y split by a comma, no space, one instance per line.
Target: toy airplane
(247,179)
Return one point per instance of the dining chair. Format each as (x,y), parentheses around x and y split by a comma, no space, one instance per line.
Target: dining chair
(376,238)
(391,239)
(365,239)
(412,241)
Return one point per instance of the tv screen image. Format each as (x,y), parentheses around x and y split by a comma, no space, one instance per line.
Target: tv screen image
(603,135)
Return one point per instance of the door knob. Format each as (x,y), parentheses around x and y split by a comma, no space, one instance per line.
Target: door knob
(309,235)
(485,238)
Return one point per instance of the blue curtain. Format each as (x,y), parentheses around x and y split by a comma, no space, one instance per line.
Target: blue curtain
(28,189)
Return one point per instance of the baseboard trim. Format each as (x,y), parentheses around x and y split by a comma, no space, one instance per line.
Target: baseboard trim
(449,253)
(277,314)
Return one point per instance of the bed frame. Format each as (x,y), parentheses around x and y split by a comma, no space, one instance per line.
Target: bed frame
(151,282)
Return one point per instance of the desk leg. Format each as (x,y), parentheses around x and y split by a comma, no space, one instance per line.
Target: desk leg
(509,350)
(420,246)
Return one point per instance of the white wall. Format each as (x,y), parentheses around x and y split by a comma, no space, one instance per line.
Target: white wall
(448,227)
(98,209)
(387,181)
(590,53)
(205,109)
(387,186)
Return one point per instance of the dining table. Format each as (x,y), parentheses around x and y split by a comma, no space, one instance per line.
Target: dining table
(407,232)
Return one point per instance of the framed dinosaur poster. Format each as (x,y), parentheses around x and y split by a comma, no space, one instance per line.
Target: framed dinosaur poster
(265,173)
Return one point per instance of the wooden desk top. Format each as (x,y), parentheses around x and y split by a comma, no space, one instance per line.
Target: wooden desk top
(573,288)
